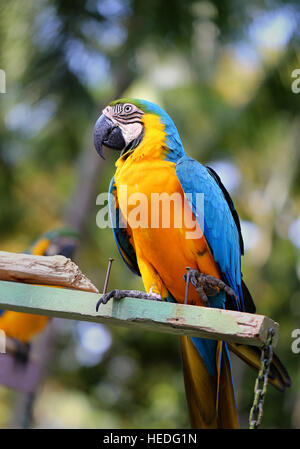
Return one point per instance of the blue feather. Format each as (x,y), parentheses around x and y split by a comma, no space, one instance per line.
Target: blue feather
(207,350)
(220,230)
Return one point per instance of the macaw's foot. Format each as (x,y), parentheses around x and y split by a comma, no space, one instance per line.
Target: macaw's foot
(207,285)
(119,294)
(21,352)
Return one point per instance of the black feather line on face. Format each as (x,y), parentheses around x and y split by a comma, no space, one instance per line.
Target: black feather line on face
(132,145)
(127,121)
(132,114)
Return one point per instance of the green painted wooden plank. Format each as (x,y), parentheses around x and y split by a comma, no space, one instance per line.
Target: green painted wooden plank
(153,315)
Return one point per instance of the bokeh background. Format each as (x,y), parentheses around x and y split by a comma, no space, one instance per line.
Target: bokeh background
(223,71)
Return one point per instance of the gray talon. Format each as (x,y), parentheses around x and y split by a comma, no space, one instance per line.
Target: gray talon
(207,285)
(119,294)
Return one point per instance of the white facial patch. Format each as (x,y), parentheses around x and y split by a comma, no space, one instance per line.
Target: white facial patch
(130,131)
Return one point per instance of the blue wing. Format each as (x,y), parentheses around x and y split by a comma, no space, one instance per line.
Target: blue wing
(220,228)
(121,231)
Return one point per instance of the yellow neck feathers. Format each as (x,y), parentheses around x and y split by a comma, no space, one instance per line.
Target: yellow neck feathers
(153,143)
(40,247)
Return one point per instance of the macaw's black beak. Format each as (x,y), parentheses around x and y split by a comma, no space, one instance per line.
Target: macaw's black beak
(68,250)
(108,134)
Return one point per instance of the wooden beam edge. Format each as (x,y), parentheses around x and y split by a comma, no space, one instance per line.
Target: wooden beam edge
(167,317)
(43,270)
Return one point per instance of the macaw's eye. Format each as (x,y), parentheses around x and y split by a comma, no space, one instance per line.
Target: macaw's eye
(127,108)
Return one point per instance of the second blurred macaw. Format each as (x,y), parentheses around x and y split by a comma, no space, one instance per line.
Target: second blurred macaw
(24,326)
(153,161)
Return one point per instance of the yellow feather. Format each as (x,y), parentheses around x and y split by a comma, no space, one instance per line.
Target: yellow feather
(210,406)
(23,326)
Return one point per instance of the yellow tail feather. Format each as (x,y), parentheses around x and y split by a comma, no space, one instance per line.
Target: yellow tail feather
(210,399)
(278,376)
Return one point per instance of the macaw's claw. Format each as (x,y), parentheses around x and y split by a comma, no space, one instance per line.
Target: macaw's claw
(119,294)
(207,285)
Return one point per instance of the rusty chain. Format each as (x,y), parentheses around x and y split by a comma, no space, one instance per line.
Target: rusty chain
(261,383)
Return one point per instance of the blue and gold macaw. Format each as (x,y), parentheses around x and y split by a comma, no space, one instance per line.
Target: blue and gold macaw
(24,326)
(153,161)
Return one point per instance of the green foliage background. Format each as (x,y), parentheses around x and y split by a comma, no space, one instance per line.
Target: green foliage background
(226,82)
